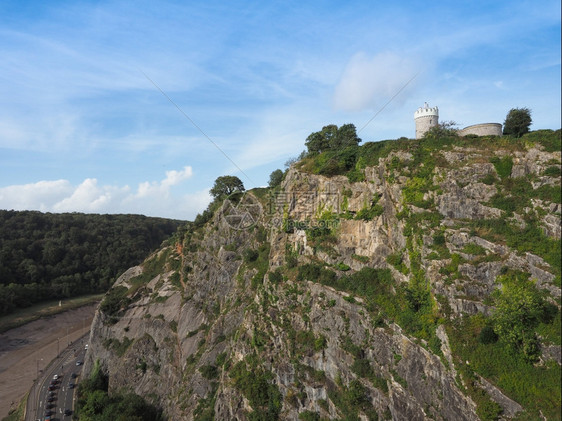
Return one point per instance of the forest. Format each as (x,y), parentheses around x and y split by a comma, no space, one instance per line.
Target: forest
(45,256)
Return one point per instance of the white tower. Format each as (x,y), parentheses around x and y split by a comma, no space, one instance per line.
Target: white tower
(425,118)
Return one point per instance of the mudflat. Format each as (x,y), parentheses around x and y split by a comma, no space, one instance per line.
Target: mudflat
(26,349)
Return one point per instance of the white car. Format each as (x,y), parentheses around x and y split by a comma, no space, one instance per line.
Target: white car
(56,377)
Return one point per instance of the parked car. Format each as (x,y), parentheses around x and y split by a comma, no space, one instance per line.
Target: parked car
(55,377)
(79,362)
(74,375)
(51,399)
(52,387)
(67,412)
(71,385)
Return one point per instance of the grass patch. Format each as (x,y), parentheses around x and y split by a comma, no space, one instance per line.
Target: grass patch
(534,387)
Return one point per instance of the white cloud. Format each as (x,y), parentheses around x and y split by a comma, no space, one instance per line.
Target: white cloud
(150,198)
(39,196)
(371,81)
(175,177)
(89,197)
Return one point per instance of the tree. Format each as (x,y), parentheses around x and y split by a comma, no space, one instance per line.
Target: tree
(345,136)
(226,185)
(442,130)
(275,178)
(517,122)
(332,138)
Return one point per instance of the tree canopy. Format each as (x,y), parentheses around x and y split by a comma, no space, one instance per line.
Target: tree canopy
(54,256)
(517,122)
(332,138)
(275,178)
(226,185)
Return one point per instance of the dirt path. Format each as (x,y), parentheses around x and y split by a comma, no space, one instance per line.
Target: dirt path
(29,348)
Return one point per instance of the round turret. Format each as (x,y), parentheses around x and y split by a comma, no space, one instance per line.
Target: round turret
(425,117)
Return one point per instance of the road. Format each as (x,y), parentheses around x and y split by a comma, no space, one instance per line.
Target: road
(25,351)
(63,396)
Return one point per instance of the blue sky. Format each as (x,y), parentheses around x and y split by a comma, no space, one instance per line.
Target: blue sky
(82,129)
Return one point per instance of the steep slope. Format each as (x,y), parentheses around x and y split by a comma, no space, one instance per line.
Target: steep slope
(375,298)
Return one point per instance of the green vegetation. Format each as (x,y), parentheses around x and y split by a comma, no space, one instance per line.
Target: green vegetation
(256,385)
(531,238)
(259,262)
(58,256)
(275,178)
(94,402)
(519,308)
(351,399)
(536,387)
(371,211)
(362,367)
(517,122)
(332,138)
(225,186)
(17,414)
(475,249)
(116,345)
(309,416)
(396,260)
(502,165)
(549,139)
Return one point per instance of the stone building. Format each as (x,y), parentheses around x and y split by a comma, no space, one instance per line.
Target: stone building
(427,117)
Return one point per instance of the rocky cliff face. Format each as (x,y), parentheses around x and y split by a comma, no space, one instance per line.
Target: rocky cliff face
(268,311)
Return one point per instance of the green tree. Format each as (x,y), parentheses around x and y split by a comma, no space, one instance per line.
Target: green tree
(332,138)
(345,136)
(519,310)
(275,178)
(517,122)
(226,185)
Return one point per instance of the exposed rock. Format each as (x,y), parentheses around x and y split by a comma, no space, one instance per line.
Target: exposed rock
(213,303)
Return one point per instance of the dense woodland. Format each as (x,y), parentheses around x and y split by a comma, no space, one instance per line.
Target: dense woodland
(54,256)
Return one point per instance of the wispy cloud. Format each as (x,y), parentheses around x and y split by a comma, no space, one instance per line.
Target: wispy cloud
(370,81)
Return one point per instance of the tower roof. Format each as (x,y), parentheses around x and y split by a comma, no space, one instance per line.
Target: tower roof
(426,110)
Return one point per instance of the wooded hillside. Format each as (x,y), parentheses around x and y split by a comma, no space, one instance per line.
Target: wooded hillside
(54,256)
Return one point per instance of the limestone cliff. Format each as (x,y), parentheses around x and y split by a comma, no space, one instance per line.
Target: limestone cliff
(332,299)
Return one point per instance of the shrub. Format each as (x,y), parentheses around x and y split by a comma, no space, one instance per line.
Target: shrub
(487,335)
(471,248)
(519,309)
(209,371)
(276,276)
(342,266)
(309,416)
(250,255)
(553,171)
(489,179)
